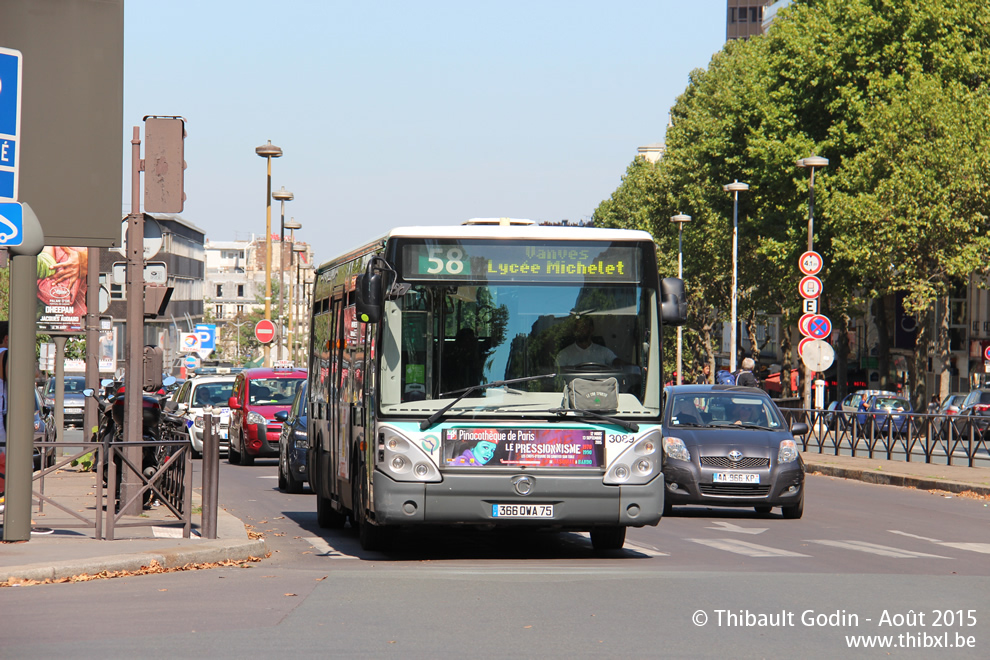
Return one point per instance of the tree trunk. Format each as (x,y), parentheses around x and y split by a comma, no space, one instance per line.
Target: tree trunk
(880,318)
(918,366)
(787,364)
(942,345)
(842,358)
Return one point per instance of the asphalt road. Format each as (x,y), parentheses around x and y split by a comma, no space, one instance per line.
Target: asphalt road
(865,560)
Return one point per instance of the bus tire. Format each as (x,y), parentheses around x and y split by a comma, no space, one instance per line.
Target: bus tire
(326,516)
(372,537)
(608,538)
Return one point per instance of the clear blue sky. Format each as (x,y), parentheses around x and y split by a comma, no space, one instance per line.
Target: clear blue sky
(400,113)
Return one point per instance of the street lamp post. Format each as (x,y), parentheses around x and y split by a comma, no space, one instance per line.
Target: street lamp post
(268,151)
(299,250)
(735,188)
(680,219)
(292,226)
(282,196)
(811,162)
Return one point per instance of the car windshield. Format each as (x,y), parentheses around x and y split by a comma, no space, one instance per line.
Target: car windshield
(891,403)
(723,409)
(212,394)
(984,397)
(273,391)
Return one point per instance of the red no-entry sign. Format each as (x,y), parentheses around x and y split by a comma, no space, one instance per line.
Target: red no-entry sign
(264,331)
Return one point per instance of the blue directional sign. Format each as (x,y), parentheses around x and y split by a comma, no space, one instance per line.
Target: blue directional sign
(10,121)
(207,335)
(11,224)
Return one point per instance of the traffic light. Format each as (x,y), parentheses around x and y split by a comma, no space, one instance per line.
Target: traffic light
(164,164)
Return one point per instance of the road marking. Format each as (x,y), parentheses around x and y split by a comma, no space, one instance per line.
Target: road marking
(874,549)
(974,547)
(745,548)
(647,550)
(914,536)
(327,550)
(729,527)
(274,476)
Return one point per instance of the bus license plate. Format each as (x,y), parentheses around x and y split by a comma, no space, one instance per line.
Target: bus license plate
(736,478)
(522,511)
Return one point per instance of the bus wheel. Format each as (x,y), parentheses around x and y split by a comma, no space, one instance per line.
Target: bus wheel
(372,537)
(326,516)
(608,538)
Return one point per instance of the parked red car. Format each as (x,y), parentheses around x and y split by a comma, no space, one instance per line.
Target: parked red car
(257,395)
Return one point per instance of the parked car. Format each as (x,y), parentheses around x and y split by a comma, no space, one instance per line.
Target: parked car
(852,402)
(886,411)
(258,394)
(730,446)
(976,405)
(72,399)
(192,398)
(293,443)
(951,404)
(44,432)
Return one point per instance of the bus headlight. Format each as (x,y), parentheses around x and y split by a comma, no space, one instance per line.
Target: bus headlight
(638,464)
(403,460)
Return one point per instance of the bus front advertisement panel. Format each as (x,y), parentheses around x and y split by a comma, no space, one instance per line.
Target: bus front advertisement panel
(531,447)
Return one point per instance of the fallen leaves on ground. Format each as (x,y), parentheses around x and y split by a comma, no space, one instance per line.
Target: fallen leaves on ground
(254,536)
(968,494)
(153,567)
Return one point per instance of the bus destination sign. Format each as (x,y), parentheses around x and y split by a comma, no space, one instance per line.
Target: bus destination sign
(599,262)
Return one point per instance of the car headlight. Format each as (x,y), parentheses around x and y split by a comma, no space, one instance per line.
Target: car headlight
(788,452)
(638,464)
(301,439)
(675,448)
(255,418)
(403,460)
(199,423)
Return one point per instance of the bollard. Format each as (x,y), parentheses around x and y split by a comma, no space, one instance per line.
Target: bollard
(211,474)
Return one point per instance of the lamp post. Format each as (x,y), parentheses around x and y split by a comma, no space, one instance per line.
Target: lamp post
(282,196)
(292,226)
(812,162)
(268,151)
(735,188)
(680,219)
(299,250)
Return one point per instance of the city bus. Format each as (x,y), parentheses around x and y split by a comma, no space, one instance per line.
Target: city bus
(496,374)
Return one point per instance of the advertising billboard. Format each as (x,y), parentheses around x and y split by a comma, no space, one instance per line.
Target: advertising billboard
(62,289)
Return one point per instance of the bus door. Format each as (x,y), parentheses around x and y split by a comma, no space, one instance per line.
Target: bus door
(352,400)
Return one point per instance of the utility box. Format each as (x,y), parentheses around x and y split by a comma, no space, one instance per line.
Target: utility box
(153,365)
(156,300)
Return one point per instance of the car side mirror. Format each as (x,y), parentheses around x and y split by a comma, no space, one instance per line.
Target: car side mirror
(282,415)
(799,428)
(234,405)
(673,302)
(89,392)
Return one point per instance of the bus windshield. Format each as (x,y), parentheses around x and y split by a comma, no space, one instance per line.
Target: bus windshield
(443,337)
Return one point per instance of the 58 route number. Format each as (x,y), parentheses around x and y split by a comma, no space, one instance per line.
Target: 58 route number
(449,263)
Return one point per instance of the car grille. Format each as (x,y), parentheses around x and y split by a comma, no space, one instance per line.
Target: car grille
(735,490)
(726,462)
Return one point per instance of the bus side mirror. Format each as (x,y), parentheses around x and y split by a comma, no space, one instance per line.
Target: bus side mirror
(673,304)
(369,296)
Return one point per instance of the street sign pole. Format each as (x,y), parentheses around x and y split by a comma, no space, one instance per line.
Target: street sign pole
(130,482)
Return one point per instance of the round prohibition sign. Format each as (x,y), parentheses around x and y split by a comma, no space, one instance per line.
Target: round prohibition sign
(810,263)
(986,353)
(803,324)
(819,327)
(810,287)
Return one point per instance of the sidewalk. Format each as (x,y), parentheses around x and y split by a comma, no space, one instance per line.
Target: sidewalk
(68,551)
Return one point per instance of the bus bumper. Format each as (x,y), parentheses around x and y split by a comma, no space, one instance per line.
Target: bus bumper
(579,501)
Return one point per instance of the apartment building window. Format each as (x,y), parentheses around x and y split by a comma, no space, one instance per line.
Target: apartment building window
(742,15)
(218,311)
(240,309)
(753,14)
(732,14)
(219,291)
(240,290)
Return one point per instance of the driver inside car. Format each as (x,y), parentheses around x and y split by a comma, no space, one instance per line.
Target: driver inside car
(584,350)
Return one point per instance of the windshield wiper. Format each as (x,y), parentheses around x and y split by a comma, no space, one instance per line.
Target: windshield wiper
(438,415)
(629,426)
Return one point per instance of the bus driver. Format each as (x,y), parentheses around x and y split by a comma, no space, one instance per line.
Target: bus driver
(583,350)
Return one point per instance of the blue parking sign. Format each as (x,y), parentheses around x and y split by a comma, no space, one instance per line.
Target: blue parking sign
(11,224)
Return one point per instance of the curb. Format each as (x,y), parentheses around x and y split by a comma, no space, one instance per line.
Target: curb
(888,479)
(176,557)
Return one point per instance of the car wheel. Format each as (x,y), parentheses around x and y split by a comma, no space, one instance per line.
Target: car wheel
(292,484)
(283,484)
(763,509)
(608,538)
(247,459)
(794,511)
(233,456)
